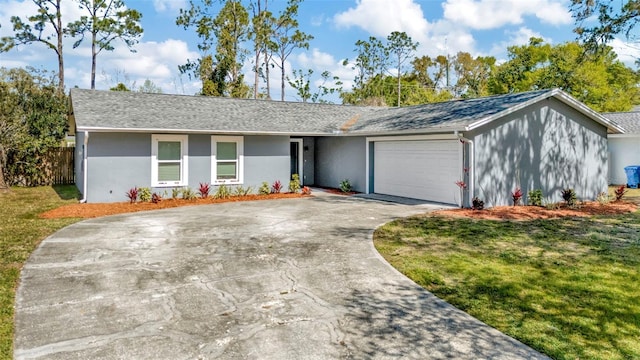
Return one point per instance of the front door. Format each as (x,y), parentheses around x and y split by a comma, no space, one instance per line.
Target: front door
(295,154)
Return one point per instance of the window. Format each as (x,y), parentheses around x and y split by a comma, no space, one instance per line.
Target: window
(227,159)
(169,160)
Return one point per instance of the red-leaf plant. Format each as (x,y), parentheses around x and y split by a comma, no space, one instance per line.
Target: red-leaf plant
(306,190)
(203,190)
(620,191)
(132,194)
(276,187)
(516,196)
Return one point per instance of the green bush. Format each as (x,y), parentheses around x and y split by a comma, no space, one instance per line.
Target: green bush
(264,189)
(535,197)
(345,186)
(222,192)
(294,184)
(569,197)
(188,194)
(144,194)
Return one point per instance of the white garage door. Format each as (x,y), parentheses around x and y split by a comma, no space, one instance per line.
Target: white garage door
(425,169)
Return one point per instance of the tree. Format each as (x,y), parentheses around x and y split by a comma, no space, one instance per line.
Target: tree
(599,80)
(261,33)
(614,18)
(34,31)
(231,28)
(302,84)
(149,87)
(287,37)
(107,21)
(370,64)
(227,29)
(472,75)
(33,118)
(402,47)
(120,87)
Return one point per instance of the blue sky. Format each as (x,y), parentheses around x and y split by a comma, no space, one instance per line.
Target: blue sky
(480,27)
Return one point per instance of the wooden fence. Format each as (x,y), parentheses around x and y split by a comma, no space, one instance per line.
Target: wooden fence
(55,167)
(62,163)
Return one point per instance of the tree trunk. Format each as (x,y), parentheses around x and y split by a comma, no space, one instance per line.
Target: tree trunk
(266,72)
(256,76)
(282,79)
(398,87)
(59,49)
(93,59)
(3,183)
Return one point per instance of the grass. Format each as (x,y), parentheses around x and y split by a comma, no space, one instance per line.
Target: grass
(569,288)
(21,230)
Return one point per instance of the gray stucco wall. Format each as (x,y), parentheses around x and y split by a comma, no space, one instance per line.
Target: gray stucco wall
(339,158)
(266,158)
(120,161)
(623,151)
(547,146)
(309,160)
(117,162)
(78,167)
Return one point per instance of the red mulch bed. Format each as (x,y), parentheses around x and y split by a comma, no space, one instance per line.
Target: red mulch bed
(536,212)
(102,209)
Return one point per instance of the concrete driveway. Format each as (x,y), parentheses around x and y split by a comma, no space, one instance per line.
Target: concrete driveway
(281,279)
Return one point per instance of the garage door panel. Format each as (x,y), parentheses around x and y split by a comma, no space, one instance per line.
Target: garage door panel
(424,170)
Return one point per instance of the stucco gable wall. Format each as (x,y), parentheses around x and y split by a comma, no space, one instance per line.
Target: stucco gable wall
(547,146)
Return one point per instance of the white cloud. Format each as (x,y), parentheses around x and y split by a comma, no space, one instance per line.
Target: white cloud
(381,17)
(628,52)
(491,14)
(316,59)
(169,5)
(515,38)
(156,61)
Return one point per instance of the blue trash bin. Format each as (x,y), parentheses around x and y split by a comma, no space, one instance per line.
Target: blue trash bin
(633,176)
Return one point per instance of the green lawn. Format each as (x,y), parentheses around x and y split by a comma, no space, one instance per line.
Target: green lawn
(21,230)
(569,288)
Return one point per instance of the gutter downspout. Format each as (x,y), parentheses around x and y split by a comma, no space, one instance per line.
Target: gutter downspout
(84,167)
(472,182)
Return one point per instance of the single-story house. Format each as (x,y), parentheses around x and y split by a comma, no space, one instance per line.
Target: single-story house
(542,139)
(624,149)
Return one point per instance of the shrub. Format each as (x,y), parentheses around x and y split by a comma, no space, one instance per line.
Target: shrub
(345,186)
(203,190)
(306,190)
(294,184)
(535,197)
(602,198)
(516,196)
(222,192)
(144,194)
(569,197)
(132,194)
(276,187)
(188,194)
(477,204)
(620,191)
(241,191)
(264,189)
(156,198)
(175,193)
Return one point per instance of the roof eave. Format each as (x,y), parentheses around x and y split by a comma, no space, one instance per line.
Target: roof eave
(195,131)
(561,96)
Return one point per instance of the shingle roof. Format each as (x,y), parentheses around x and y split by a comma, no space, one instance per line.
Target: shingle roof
(443,115)
(128,111)
(630,121)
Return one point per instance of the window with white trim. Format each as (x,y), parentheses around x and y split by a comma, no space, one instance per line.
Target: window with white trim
(169,160)
(227,159)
